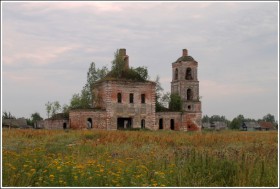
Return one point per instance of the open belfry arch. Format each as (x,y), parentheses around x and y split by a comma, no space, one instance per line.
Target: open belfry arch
(121,103)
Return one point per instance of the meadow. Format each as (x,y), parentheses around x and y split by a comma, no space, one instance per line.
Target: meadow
(139,158)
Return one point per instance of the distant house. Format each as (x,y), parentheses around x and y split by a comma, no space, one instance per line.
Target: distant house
(250,126)
(215,125)
(266,126)
(15,123)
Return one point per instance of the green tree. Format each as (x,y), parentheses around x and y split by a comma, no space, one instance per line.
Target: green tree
(34,117)
(7,115)
(269,118)
(159,91)
(237,122)
(55,108)
(75,101)
(94,74)
(205,119)
(142,72)
(48,108)
(176,103)
(165,99)
(52,108)
(118,65)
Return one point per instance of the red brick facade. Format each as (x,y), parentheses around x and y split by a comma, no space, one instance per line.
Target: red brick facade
(121,104)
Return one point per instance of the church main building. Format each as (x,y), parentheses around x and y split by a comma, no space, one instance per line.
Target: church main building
(123,103)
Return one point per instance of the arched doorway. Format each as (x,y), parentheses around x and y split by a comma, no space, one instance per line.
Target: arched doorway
(89,123)
(160,123)
(64,125)
(172,124)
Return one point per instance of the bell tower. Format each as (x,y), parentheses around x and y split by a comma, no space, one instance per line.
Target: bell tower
(185,82)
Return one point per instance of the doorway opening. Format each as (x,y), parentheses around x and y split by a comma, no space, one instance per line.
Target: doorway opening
(124,123)
(160,123)
(89,123)
(64,125)
(172,125)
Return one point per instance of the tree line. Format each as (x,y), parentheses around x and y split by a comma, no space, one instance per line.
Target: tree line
(236,122)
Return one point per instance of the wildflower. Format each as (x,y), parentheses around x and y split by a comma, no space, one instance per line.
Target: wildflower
(51,176)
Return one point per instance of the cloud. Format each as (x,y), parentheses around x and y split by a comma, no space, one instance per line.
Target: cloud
(52,44)
(214,89)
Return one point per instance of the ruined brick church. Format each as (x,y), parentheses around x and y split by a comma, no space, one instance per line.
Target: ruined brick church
(122,103)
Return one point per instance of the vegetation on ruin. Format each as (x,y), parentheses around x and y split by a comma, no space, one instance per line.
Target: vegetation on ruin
(83,100)
(120,71)
(85,158)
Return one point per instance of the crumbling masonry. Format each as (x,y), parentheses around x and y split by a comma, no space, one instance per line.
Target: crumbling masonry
(122,104)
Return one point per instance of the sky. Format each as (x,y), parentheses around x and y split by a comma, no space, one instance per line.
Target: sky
(47,48)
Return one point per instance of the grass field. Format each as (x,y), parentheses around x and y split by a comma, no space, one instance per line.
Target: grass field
(139,158)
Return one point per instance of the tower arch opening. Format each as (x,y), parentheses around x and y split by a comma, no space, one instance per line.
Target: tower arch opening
(188,74)
(189,94)
(176,74)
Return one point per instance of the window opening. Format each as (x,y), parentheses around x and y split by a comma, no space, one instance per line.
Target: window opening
(176,74)
(189,74)
(131,98)
(143,98)
(119,98)
(189,94)
(143,124)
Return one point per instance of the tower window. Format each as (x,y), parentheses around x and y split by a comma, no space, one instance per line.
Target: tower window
(131,98)
(176,74)
(189,74)
(189,94)
(143,98)
(119,97)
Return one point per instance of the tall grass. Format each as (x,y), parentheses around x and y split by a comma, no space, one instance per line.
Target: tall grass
(138,158)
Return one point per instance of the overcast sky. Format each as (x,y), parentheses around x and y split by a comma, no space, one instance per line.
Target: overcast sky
(47,48)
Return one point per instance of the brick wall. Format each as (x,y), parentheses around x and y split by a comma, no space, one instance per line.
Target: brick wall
(53,124)
(182,121)
(79,119)
(106,97)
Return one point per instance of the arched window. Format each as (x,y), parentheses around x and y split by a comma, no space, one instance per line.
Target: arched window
(89,123)
(189,94)
(189,74)
(143,124)
(176,74)
(119,97)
